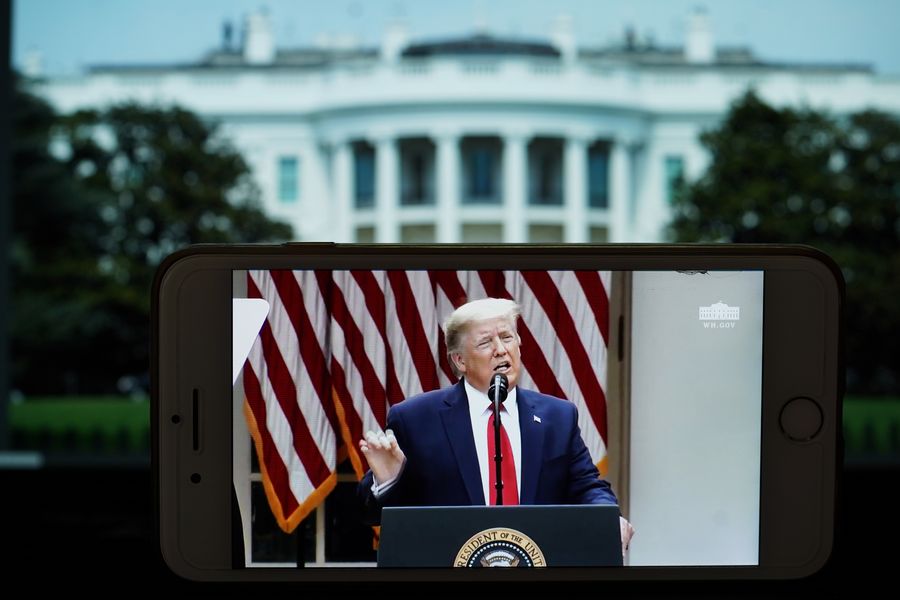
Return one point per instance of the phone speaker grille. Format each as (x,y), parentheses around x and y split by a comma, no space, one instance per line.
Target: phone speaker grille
(195,419)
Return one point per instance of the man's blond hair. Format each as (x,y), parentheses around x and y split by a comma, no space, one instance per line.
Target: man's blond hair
(458,322)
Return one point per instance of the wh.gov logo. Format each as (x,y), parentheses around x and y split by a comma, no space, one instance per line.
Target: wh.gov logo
(719,316)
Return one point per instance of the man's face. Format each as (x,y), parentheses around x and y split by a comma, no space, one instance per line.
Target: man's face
(489,347)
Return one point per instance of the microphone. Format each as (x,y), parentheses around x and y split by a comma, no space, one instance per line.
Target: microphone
(499,388)
(497,393)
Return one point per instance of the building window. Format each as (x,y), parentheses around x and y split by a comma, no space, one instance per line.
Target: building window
(482,233)
(364,175)
(481,181)
(417,234)
(674,166)
(545,171)
(365,235)
(545,234)
(269,544)
(416,191)
(549,180)
(288,179)
(347,538)
(330,535)
(481,160)
(598,176)
(599,235)
(417,173)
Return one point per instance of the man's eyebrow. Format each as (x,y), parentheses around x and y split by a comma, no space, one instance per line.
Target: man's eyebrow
(485,336)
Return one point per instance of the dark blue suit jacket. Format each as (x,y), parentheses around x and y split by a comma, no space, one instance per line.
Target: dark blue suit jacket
(434,430)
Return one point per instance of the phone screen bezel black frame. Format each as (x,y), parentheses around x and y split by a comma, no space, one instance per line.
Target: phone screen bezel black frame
(802,356)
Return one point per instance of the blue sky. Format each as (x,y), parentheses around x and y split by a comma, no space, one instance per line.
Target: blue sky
(70,35)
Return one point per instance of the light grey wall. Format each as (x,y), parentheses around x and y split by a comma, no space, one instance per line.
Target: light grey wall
(695,419)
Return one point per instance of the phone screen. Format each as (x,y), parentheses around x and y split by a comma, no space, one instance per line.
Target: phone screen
(664,368)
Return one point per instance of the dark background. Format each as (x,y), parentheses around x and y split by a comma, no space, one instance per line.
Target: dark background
(92,528)
(96,525)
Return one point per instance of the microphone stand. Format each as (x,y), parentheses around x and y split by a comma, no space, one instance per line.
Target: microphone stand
(498,456)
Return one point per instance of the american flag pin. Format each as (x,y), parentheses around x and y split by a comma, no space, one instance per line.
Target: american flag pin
(536,418)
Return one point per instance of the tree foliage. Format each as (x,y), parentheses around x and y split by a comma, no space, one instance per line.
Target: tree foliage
(100,198)
(801,176)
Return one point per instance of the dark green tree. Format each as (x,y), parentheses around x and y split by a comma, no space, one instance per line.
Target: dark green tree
(54,249)
(801,176)
(133,184)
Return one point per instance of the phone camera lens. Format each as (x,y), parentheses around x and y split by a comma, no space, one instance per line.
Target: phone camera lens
(195,478)
(176,419)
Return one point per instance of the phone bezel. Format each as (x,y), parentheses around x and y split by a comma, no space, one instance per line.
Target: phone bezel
(193,287)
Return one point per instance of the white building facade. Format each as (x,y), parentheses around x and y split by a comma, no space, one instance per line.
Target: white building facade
(473,139)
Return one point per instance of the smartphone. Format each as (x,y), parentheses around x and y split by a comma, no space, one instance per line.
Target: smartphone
(706,382)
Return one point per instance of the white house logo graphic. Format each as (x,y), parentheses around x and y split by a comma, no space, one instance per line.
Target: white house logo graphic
(719,316)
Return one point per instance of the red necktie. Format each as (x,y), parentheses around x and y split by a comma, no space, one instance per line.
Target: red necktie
(510,486)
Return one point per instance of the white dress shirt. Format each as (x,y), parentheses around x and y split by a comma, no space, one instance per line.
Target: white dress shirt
(480,411)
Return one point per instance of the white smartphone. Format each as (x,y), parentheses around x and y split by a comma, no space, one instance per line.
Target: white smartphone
(689,392)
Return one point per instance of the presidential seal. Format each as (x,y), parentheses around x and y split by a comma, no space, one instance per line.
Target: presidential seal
(499,547)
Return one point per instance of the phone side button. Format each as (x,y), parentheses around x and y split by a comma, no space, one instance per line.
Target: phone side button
(801,419)
(310,244)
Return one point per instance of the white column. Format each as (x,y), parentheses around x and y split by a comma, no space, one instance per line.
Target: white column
(575,182)
(514,173)
(342,190)
(620,192)
(659,213)
(448,197)
(386,191)
(316,194)
(638,222)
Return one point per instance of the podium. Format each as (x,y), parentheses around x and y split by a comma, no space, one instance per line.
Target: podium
(584,535)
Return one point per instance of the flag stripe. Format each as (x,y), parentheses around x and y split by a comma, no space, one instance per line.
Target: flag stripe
(351,424)
(376,307)
(413,330)
(269,461)
(354,405)
(548,295)
(584,310)
(453,296)
(284,389)
(373,351)
(572,298)
(295,386)
(318,412)
(597,299)
(424,294)
(353,345)
(373,347)
(404,365)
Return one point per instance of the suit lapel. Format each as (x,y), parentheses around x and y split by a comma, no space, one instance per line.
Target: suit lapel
(458,427)
(532,432)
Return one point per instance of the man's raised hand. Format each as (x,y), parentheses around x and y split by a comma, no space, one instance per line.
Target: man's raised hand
(383,454)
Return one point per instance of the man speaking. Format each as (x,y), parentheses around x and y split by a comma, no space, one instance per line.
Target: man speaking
(438,447)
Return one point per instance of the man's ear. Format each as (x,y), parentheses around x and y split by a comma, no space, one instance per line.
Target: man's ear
(459,362)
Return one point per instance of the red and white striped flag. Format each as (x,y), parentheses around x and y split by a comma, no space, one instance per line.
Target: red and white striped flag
(340,347)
